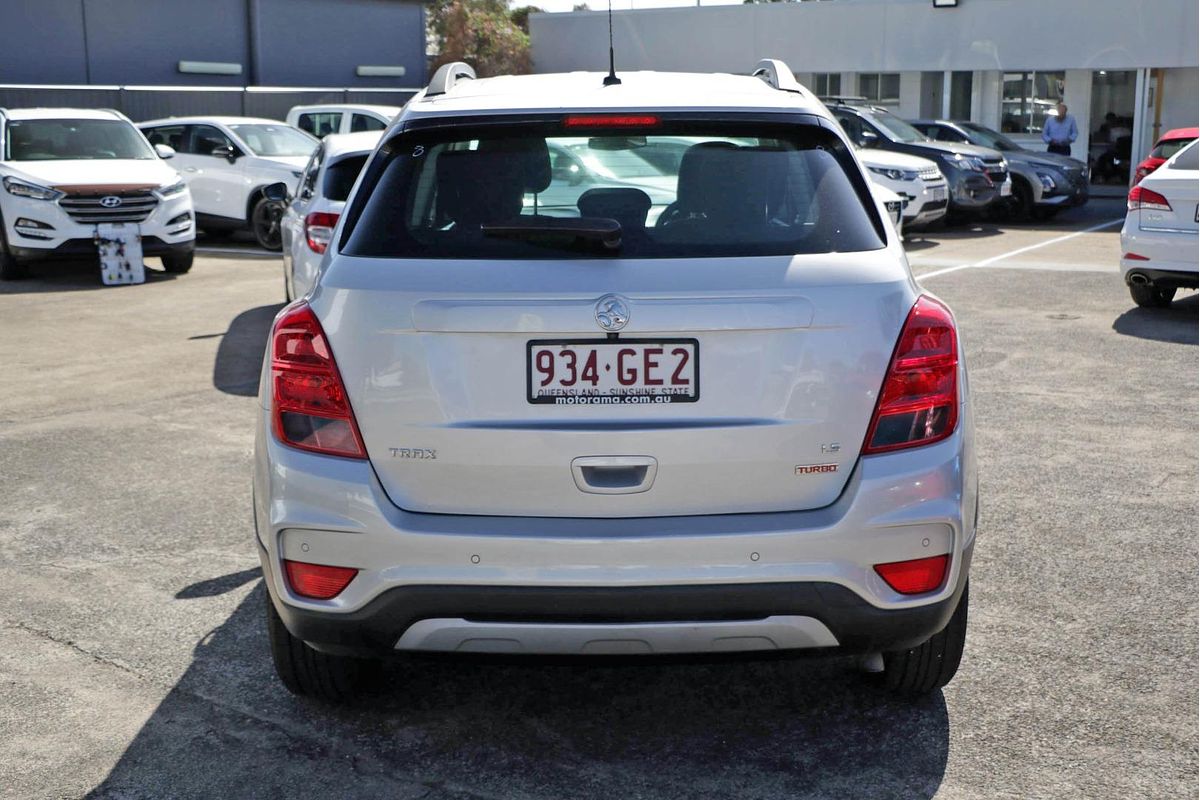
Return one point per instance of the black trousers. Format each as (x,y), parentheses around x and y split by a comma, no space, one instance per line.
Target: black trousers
(1060,149)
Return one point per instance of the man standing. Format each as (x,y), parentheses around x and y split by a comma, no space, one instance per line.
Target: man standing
(1060,131)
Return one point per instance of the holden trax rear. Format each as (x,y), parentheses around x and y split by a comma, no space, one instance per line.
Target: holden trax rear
(692,402)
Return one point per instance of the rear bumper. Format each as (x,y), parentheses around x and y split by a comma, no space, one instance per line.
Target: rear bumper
(610,620)
(85,249)
(470,574)
(1168,258)
(1165,278)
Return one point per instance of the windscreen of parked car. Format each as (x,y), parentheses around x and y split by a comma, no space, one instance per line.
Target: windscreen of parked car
(71,139)
(986,137)
(275,140)
(1169,148)
(897,128)
(737,191)
(340,176)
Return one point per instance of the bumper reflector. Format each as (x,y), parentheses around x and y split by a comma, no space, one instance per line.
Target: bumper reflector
(915,577)
(318,581)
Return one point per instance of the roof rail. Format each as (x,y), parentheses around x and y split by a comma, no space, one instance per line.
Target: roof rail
(778,75)
(842,99)
(447,76)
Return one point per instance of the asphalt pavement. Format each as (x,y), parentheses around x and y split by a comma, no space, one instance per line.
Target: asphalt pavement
(133,657)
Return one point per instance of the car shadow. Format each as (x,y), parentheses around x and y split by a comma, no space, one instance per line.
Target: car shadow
(240,354)
(1176,323)
(440,728)
(73,276)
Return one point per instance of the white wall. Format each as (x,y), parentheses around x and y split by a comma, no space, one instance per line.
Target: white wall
(877,36)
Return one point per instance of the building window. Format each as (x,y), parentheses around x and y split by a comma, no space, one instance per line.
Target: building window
(880,87)
(827,84)
(1030,97)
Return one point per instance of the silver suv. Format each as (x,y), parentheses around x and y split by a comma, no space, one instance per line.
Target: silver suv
(690,402)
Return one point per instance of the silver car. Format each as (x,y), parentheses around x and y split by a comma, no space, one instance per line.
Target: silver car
(311,215)
(726,419)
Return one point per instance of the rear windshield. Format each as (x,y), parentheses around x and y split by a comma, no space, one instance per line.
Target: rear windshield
(340,176)
(678,190)
(1189,160)
(71,139)
(1169,148)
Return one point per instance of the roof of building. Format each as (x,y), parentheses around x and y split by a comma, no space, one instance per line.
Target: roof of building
(637,90)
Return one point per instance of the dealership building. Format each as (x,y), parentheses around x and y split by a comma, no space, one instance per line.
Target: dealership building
(1127,70)
(155,58)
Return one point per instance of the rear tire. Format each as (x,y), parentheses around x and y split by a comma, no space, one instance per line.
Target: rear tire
(310,673)
(931,664)
(178,264)
(1150,296)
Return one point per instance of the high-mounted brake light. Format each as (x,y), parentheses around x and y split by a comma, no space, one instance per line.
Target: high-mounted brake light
(1142,198)
(317,581)
(915,577)
(918,403)
(318,230)
(611,121)
(309,405)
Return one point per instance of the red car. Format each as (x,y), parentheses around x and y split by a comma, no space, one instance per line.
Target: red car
(1168,145)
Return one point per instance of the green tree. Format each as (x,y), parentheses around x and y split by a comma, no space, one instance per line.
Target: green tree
(479,32)
(520,16)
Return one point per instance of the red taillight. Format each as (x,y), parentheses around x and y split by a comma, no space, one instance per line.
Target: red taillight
(1140,172)
(611,121)
(1135,257)
(1142,198)
(318,581)
(918,403)
(308,400)
(915,577)
(318,230)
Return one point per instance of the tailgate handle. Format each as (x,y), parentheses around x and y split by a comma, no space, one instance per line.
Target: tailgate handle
(614,474)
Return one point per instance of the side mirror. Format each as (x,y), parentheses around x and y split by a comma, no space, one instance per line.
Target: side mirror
(276,192)
(164,151)
(868,139)
(226,152)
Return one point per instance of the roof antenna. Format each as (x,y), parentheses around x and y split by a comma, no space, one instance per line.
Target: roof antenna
(611,79)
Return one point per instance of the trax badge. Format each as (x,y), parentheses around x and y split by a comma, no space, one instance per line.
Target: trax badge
(413,452)
(813,469)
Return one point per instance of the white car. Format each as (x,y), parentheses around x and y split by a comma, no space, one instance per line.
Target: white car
(893,205)
(228,161)
(918,181)
(1159,239)
(323,120)
(65,170)
(311,216)
(740,427)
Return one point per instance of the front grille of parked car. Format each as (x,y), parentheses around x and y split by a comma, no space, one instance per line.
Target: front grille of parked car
(932,174)
(934,205)
(87,209)
(997,171)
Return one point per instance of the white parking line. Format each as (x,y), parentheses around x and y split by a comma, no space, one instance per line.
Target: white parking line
(987,262)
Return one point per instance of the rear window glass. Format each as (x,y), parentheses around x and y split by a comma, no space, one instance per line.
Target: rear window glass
(340,176)
(677,190)
(1187,160)
(1169,148)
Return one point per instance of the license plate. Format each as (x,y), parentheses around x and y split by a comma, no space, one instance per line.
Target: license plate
(1006,189)
(613,372)
(937,193)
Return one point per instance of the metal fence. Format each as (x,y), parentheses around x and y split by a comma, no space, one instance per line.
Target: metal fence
(141,103)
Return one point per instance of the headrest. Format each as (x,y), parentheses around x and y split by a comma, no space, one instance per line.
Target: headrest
(618,204)
(476,186)
(532,155)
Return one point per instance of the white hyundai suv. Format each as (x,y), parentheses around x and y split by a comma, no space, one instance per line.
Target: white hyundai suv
(65,170)
(228,161)
(727,420)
